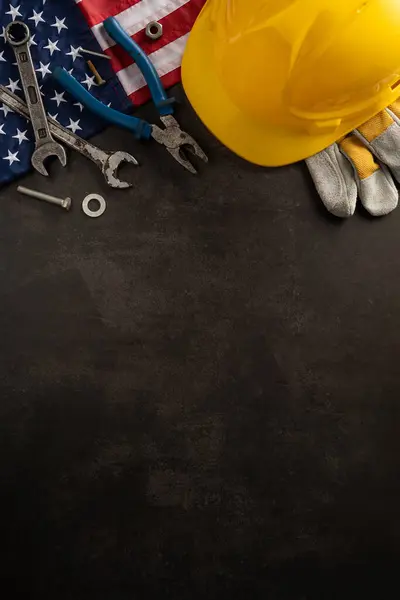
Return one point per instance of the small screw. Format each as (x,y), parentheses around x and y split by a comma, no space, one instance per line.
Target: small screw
(98,77)
(63,202)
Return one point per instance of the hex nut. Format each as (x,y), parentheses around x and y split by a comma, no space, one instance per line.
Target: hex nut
(154,30)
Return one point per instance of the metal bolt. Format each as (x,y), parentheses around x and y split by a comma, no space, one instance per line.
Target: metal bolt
(63,202)
(99,54)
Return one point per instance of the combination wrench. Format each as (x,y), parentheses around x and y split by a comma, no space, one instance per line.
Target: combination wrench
(18,36)
(107,162)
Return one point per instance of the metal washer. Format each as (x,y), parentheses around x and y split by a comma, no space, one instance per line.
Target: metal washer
(94,213)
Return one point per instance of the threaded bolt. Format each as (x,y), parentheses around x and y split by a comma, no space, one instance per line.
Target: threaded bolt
(63,202)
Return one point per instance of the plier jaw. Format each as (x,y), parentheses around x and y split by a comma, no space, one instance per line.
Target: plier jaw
(177,142)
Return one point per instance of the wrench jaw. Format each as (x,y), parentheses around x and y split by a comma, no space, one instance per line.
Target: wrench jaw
(43,152)
(111,166)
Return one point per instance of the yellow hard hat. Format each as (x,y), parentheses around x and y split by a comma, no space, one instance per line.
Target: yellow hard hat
(279,80)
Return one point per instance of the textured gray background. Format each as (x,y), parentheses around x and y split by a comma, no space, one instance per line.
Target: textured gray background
(199,390)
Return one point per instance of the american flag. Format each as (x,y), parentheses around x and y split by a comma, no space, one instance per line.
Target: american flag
(58,29)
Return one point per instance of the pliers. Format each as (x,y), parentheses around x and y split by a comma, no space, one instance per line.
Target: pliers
(172,137)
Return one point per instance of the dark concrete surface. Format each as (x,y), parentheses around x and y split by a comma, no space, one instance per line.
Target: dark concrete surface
(199,390)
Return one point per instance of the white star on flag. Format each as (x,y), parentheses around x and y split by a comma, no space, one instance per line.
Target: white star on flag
(2,132)
(6,110)
(74,53)
(44,70)
(58,97)
(37,17)
(20,136)
(89,81)
(12,157)
(53,116)
(13,85)
(59,23)
(79,105)
(52,47)
(14,11)
(74,126)
(32,41)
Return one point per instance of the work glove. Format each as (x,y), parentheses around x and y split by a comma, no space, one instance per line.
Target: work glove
(358,165)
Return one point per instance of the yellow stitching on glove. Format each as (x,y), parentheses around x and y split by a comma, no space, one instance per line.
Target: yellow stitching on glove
(360,156)
(376,126)
(395,108)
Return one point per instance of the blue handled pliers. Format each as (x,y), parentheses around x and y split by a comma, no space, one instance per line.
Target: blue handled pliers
(172,137)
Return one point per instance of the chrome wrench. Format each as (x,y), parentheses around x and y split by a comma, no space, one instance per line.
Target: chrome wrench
(18,36)
(107,162)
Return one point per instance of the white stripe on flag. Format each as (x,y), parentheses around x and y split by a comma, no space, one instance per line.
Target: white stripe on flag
(135,18)
(165,59)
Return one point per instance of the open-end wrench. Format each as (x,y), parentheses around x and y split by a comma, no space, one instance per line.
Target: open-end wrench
(18,36)
(108,162)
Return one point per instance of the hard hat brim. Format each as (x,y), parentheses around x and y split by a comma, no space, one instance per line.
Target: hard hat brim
(258,142)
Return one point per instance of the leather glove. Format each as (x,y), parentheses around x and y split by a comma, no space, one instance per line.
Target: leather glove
(358,165)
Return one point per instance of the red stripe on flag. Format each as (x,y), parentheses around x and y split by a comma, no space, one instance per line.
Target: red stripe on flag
(143,95)
(175,25)
(96,11)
